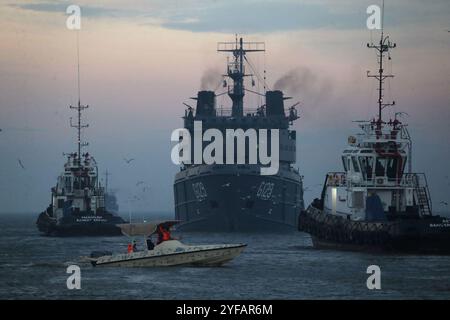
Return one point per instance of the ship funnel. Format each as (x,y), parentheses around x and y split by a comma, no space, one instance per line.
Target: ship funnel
(206,103)
(274,103)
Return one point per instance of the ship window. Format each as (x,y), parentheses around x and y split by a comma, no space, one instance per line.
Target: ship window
(366,167)
(60,203)
(68,184)
(344,163)
(380,167)
(395,167)
(355,164)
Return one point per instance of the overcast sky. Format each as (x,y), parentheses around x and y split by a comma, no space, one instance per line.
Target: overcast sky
(140,60)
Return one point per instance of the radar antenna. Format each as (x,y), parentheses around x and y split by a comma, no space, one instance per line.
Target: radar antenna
(236,71)
(382,48)
(79,108)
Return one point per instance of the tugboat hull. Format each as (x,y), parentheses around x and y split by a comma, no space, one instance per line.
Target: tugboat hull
(83,225)
(425,235)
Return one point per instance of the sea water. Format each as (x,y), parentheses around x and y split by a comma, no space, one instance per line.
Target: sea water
(273,266)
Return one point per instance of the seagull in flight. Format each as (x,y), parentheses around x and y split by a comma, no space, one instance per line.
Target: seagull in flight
(21,164)
(444,203)
(139,183)
(128,160)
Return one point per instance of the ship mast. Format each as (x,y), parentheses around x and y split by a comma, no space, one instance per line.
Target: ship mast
(236,70)
(382,48)
(79,108)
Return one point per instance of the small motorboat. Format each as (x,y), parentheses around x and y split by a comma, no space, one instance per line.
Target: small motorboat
(167,253)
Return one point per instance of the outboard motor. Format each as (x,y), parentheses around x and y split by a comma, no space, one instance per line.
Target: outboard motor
(206,103)
(274,103)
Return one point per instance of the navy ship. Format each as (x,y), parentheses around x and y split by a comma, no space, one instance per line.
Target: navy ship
(377,203)
(237,197)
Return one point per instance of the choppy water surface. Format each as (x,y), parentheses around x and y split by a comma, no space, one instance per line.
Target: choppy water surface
(273,266)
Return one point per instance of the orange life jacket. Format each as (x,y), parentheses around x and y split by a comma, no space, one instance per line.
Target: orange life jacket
(164,234)
(130,248)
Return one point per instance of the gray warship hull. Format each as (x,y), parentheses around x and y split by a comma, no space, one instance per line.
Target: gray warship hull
(237,199)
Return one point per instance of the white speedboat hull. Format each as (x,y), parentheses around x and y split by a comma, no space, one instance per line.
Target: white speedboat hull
(174,253)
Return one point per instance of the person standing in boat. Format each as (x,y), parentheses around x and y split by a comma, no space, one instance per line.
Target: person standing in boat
(135,248)
(163,234)
(150,244)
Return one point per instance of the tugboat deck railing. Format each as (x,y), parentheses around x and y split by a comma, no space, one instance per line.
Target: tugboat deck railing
(417,181)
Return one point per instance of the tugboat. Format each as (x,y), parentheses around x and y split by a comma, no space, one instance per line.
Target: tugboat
(236,197)
(78,205)
(375,204)
(78,200)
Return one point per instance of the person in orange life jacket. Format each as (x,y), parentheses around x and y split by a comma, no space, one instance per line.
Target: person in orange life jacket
(130,248)
(163,234)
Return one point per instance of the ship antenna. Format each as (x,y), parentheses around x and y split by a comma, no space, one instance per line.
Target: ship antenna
(236,70)
(79,107)
(106,180)
(382,48)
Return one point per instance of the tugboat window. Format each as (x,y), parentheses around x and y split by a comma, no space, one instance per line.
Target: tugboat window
(344,163)
(366,167)
(395,167)
(380,167)
(355,164)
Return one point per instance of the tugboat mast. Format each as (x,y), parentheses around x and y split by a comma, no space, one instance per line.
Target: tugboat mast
(235,70)
(79,108)
(382,48)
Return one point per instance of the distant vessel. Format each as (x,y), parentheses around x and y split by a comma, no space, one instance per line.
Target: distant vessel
(374,204)
(236,197)
(77,205)
(111,204)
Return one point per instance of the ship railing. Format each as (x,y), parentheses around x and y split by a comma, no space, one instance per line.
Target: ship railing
(420,183)
(416,181)
(234,67)
(336,179)
(227,112)
(78,193)
(408,180)
(385,137)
